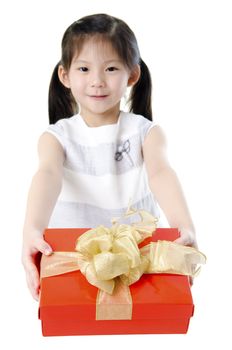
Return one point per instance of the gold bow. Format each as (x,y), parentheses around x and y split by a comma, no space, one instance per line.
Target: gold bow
(102,253)
(109,255)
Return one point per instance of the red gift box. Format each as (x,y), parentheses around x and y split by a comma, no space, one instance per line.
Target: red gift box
(162,303)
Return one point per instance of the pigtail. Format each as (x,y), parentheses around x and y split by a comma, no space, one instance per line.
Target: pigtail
(61,103)
(140,96)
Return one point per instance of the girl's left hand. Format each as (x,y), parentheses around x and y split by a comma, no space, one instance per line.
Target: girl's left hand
(188,238)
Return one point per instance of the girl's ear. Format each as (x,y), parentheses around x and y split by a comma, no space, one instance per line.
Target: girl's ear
(63,76)
(134,76)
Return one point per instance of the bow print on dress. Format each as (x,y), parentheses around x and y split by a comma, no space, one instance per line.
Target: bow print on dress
(124,148)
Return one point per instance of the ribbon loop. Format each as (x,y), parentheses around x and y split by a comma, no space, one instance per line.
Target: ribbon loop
(170,257)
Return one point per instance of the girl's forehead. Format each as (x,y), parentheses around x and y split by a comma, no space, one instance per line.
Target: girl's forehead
(96,48)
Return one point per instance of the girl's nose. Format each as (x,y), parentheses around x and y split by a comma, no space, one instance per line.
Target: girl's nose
(97,80)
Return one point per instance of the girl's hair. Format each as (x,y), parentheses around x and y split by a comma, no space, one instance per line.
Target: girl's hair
(123,40)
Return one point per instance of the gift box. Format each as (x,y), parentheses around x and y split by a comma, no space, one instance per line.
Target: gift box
(161,303)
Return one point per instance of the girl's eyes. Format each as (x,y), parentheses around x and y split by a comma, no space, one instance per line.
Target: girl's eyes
(109,69)
(112,69)
(83,69)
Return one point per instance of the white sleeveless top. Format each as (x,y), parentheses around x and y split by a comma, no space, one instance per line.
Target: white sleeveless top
(103,169)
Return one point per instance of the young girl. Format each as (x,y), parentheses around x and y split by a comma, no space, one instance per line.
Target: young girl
(94,158)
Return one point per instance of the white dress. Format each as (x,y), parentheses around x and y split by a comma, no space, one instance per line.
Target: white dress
(103,170)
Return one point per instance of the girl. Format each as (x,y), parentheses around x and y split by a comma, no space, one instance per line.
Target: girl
(95,157)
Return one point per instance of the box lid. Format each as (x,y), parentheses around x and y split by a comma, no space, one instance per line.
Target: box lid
(154,295)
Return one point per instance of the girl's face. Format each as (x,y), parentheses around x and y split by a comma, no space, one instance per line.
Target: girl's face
(98,79)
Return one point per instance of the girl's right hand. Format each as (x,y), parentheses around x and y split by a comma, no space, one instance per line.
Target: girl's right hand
(31,254)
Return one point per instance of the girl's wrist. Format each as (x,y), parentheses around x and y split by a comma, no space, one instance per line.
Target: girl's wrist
(30,232)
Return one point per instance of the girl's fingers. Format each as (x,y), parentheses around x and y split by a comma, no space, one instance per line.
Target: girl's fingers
(191,280)
(32,276)
(42,246)
(30,260)
(184,240)
(187,238)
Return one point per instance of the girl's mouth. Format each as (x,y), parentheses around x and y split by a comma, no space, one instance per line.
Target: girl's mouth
(98,97)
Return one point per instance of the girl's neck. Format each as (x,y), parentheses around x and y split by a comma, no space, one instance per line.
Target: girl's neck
(94,120)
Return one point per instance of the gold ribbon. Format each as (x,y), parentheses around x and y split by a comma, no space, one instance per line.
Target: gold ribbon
(111,260)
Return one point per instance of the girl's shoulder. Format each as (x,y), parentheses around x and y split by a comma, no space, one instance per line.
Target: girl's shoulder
(136,118)
(137,124)
(63,124)
(64,129)
(50,151)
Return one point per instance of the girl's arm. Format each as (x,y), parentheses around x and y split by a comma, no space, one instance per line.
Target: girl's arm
(45,188)
(166,187)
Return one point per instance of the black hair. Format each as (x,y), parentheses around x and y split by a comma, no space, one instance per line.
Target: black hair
(117,32)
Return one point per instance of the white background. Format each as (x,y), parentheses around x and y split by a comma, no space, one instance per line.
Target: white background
(187,45)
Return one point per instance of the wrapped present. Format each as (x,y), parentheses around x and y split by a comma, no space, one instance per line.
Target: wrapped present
(124,280)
